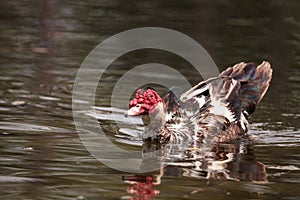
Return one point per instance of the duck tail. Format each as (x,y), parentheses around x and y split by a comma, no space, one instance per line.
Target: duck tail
(254,79)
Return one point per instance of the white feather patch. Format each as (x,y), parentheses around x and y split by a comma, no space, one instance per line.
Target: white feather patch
(168,116)
(201,100)
(189,95)
(244,122)
(175,126)
(222,110)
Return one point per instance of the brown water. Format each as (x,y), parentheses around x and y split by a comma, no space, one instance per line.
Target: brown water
(41,48)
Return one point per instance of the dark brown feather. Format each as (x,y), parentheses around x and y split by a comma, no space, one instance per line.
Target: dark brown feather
(254,82)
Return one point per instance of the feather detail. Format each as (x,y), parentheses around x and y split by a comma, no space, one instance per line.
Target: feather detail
(215,110)
(254,81)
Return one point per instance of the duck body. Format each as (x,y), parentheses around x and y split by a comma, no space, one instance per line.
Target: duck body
(213,111)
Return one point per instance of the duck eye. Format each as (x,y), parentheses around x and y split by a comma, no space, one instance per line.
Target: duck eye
(151,95)
(138,105)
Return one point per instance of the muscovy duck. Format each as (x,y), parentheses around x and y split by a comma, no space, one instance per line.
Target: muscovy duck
(213,111)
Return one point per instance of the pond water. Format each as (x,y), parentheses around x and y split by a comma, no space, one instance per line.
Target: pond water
(43,44)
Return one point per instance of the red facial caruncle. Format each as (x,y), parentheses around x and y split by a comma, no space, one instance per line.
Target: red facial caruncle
(143,102)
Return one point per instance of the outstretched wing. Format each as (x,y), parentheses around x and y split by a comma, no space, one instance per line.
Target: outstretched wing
(225,98)
(221,96)
(254,80)
(220,117)
(214,110)
(219,101)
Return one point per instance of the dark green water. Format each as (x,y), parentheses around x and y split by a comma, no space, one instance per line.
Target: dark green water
(43,43)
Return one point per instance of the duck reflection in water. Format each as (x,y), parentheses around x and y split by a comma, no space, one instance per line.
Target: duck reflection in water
(235,162)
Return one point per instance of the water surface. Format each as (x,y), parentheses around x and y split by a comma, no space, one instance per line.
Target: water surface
(41,48)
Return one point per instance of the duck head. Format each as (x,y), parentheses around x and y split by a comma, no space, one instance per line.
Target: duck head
(144,102)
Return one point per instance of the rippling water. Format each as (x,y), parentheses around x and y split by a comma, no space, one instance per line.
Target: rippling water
(42,46)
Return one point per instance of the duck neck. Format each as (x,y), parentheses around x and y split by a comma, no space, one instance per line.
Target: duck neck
(154,121)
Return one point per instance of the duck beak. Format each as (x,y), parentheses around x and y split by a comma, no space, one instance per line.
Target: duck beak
(134,111)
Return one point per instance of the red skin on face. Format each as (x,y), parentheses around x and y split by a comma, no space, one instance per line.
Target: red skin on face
(147,100)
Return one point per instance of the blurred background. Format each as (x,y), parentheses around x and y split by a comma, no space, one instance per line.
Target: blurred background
(42,44)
